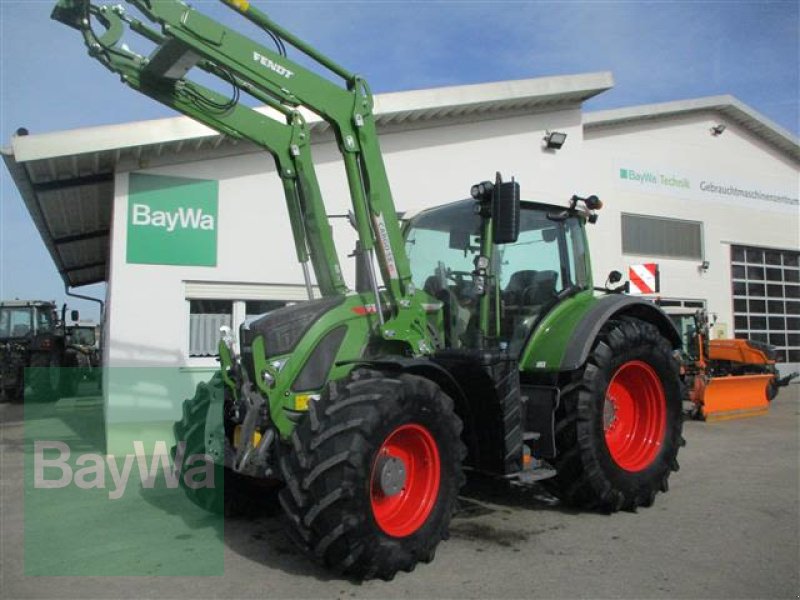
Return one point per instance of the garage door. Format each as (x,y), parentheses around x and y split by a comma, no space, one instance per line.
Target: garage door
(766,298)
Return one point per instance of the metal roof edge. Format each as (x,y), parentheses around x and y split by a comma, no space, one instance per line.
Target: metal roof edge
(725,104)
(577,88)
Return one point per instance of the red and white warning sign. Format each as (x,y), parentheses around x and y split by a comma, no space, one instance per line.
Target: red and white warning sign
(644,278)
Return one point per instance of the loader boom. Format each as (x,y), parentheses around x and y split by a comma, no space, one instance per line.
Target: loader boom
(190,39)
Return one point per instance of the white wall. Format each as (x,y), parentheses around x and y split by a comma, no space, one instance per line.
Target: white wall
(148,311)
(148,319)
(685,147)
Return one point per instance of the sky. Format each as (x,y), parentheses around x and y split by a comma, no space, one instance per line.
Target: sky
(657,52)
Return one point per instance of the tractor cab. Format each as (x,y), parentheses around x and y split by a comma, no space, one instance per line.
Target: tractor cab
(493,295)
(20,320)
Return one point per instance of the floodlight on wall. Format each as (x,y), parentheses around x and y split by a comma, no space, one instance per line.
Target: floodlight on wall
(718,129)
(553,140)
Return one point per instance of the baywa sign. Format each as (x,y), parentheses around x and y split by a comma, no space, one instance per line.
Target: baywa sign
(695,186)
(172,221)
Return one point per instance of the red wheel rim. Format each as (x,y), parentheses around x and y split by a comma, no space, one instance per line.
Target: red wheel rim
(402,513)
(634,416)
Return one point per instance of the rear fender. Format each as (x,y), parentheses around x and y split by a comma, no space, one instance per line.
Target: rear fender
(608,308)
(563,339)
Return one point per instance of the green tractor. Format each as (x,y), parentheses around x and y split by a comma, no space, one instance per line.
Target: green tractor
(32,335)
(478,343)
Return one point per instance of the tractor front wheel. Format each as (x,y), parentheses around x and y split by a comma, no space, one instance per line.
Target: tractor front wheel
(619,423)
(372,474)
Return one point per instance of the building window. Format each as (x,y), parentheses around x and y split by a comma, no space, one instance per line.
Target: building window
(662,237)
(205,319)
(766,298)
(207,316)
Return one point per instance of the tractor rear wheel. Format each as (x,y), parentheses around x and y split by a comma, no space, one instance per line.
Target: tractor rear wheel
(618,427)
(45,377)
(372,474)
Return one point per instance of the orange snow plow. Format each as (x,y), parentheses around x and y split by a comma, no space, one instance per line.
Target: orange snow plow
(732,397)
(725,379)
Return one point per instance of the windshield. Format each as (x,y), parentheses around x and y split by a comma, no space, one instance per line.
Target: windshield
(15,322)
(526,278)
(83,336)
(44,319)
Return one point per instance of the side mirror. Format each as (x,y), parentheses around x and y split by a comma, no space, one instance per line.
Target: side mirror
(615,277)
(74,315)
(505,212)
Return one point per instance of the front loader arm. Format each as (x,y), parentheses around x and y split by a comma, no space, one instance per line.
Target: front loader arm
(187,39)
(288,143)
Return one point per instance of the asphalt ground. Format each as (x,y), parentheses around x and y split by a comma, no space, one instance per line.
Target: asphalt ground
(728,528)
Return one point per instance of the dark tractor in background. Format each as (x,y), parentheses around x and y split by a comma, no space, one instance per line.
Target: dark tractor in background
(33,335)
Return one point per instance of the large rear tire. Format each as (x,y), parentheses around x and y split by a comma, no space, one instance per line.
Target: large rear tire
(45,377)
(372,474)
(618,427)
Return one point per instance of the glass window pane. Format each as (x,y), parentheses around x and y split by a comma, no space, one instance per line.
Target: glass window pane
(755,256)
(738,271)
(775,306)
(755,273)
(791,259)
(793,324)
(737,253)
(794,356)
(740,305)
(756,289)
(758,336)
(772,257)
(205,319)
(775,274)
(791,275)
(776,323)
(793,308)
(758,323)
(792,291)
(740,322)
(739,288)
(775,290)
(777,339)
(15,322)
(758,306)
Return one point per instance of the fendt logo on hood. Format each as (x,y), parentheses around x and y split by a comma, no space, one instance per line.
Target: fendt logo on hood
(272,65)
(185,218)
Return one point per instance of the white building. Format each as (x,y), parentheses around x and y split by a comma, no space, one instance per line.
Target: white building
(707,189)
